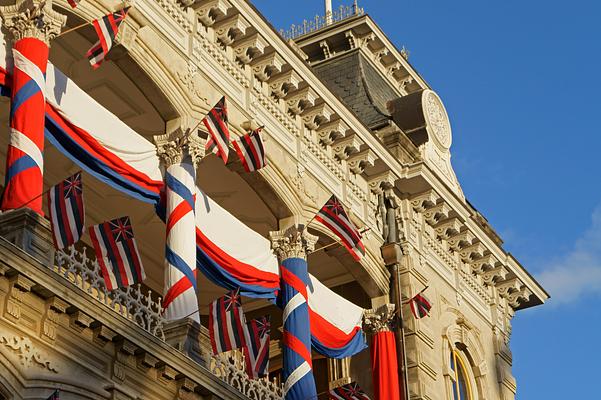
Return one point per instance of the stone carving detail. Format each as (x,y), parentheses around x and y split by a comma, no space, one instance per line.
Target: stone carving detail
(27,352)
(20,286)
(172,148)
(190,79)
(229,367)
(294,242)
(33,18)
(379,320)
(130,302)
(438,121)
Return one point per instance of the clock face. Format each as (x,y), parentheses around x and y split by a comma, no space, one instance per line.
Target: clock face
(437,120)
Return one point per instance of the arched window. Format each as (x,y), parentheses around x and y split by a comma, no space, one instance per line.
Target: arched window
(460,380)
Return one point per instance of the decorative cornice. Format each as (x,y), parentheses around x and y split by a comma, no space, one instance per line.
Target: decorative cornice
(294,242)
(32,19)
(380,319)
(173,147)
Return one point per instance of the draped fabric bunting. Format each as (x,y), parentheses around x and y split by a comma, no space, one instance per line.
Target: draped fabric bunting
(24,159)
(112,152)
(384,366)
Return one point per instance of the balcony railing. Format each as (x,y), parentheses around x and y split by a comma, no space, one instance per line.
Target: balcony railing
(321,21)
(145,311)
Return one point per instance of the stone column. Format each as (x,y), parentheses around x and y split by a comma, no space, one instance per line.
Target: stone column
(384,360)
(180,152)
(291,247)
(32,24)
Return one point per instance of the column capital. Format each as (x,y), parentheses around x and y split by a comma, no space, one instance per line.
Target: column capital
(379,320)
(294,242)
(32,19)
(173,147)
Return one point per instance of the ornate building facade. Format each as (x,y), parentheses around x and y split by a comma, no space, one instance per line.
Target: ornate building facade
(345,113)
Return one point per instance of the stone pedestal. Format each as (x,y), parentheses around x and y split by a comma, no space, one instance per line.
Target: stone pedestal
(185,335)
(29,231)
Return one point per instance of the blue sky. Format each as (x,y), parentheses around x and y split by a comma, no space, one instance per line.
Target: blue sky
(520,80)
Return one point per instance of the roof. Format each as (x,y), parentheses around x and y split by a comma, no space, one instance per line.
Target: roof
(359,85)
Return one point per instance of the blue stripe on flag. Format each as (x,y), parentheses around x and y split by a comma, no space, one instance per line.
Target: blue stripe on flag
(112,257)
(175,185)
(23,163)
(181,265)
(24,94)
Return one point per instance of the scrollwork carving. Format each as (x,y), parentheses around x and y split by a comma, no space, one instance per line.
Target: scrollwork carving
(28,354)
(33,18)
(294,242)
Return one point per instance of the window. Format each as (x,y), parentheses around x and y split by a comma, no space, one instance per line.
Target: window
(459,378)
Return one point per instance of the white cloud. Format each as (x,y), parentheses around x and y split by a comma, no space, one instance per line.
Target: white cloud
(578,272)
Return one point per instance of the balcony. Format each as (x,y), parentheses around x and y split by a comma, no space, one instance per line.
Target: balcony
(63,294)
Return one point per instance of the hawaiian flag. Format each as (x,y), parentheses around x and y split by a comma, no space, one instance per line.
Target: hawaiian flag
(65,206)
(219,134)
(226,323)
(117,253)
(256,351)
(106,29)
(420,305)
(250,150)
(352,391)
(333,216)
(54,396)
(74,3)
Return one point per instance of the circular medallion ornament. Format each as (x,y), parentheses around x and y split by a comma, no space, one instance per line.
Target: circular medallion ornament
(437,120)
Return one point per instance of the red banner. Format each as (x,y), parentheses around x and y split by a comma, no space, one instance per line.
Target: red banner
(384,366)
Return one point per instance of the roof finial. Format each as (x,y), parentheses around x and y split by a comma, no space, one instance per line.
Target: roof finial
(355,7)
(328,4)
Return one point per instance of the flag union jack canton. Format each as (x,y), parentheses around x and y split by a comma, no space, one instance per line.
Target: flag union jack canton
(256,351)
(65,206)
(219,134)
(352,391)
(250,150)
(106,29)
(117,253)
(226,323)
(420,306)
(333,216)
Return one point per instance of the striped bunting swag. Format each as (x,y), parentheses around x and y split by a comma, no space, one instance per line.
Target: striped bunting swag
(106,29)
(74,3)
(54,396)
(333,216)
(420,306)
(219,134)
(352,391)
(226,323)
(256,351)
(117,253)
(250,150)
(65,206)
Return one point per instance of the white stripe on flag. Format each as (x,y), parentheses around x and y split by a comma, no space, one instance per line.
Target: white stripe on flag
(56,231)
(216,327)
(337,229)
(71,217)
(20,141)
(29,68)
(126,265)
(247,157)
(222,146)
(106,34)
(296,376)
(109,270)
(230,325)
(292,305)
(137,255)
(255,139)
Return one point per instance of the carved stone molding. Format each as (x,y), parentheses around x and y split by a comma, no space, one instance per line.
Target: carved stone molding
(379,320)
(28,354)
(172,148)
(294,242)
(32,19)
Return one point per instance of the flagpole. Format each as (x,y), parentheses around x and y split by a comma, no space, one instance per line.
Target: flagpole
(366,229)
(73,29)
